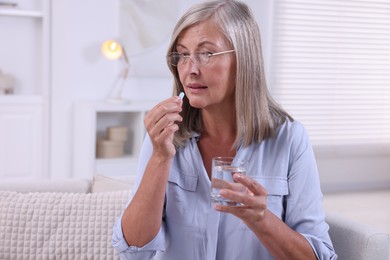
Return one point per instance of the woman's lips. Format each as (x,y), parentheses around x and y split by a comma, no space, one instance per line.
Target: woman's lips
(196,88)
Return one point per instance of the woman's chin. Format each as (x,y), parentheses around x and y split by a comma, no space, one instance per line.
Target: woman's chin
(197,104)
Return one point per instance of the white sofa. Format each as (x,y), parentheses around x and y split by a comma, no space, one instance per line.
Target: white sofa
(357,241)
(73,219)
(63,219)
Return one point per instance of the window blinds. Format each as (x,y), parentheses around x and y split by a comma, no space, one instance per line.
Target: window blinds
(331,68)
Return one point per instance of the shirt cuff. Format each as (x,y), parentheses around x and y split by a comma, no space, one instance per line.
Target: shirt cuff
(321,248)
(121,246)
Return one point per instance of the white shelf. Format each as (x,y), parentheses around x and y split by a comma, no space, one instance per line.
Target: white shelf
(20,99)
(31,68)
(24,115)
(123,166)
(91,120)
(125,158)
(20,13)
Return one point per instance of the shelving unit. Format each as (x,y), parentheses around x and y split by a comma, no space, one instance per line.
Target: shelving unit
(91,119)
(29,22)
(24,115)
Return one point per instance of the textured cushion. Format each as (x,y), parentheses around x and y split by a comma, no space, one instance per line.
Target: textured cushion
(54,225)
(65,185)
(103,183)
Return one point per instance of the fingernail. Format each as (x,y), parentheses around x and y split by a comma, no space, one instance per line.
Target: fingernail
(238,175)
(222,192)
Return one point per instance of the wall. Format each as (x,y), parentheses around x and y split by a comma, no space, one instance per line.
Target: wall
(355,167)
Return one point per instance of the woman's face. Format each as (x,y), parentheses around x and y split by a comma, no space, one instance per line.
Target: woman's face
(211,85)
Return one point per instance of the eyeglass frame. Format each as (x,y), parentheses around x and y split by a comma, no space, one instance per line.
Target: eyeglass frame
(196,62)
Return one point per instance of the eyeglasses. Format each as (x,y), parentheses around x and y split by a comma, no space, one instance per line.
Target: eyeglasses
(199,58)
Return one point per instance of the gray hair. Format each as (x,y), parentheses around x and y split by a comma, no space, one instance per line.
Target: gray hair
(257,114)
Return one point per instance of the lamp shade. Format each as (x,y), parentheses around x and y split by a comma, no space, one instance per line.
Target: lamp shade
(112,49)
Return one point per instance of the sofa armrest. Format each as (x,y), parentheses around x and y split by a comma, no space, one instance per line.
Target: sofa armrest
(353,240)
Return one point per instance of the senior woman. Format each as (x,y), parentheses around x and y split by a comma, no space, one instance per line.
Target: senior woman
(215,58)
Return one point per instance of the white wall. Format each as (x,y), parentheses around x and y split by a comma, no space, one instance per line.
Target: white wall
(357,167)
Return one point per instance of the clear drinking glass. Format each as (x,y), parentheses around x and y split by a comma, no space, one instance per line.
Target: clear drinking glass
(223,169)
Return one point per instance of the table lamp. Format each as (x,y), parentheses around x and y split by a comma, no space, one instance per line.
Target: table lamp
(113,50)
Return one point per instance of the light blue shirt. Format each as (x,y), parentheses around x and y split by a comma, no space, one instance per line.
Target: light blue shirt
(193,230)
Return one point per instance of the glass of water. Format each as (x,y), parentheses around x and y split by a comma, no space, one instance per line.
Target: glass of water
(223,169)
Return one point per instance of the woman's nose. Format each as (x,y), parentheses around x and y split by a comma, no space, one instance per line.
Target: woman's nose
(191,67)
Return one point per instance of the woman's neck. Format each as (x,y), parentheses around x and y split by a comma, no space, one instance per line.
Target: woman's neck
(219,125)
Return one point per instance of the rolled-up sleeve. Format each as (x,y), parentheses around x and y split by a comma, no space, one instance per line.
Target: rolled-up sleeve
(322,249)
(304,211)
(126,251)
(118,241)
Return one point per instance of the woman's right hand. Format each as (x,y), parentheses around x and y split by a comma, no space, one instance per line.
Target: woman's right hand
(160,123)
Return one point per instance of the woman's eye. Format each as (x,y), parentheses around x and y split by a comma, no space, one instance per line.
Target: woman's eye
(207,54)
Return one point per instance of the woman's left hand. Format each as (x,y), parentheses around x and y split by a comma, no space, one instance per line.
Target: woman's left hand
(253,200)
